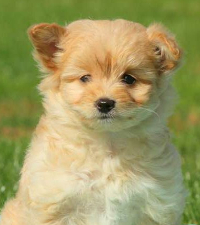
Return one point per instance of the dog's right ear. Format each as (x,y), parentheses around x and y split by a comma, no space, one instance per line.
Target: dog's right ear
(46,39)
(166,50)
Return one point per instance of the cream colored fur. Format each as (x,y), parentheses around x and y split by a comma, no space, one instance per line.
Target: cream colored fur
(82,171)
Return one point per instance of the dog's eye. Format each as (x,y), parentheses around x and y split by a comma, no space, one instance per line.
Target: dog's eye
(128,79)
(85,78)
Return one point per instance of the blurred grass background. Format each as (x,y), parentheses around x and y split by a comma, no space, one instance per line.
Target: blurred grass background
(20,103)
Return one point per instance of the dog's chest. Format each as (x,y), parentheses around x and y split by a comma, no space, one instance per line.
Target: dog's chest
(109,189)
(107,199)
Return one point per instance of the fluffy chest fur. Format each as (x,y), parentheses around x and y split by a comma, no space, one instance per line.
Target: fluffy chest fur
(102,179)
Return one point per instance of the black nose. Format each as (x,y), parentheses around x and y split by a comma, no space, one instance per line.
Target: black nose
(105,105)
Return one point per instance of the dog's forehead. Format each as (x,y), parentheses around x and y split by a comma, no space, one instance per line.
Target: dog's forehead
(119,24)
(105,32)
(107,44)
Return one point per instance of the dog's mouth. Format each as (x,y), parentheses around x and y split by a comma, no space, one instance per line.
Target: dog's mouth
(106,117)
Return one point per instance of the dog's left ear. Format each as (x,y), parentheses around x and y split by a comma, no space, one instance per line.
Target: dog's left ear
(166,50)
(46,39)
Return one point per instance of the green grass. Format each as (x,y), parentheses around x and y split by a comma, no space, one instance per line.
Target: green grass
(20,105)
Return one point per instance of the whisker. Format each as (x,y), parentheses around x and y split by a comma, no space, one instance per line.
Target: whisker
(152,111)
(127,112)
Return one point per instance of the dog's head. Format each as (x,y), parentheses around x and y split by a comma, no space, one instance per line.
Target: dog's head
(110,74)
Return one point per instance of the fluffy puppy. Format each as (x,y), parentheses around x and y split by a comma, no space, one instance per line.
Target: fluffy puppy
(101,153)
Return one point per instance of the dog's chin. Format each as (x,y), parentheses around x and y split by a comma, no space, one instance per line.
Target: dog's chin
(111,123)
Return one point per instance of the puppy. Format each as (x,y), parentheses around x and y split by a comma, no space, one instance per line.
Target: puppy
(101,153)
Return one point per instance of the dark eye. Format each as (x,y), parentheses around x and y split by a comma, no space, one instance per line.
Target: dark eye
(128,79)
(85,78)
